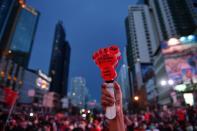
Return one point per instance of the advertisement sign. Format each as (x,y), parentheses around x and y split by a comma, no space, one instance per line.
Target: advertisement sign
(189,98)
(41,83)
(181,69)
(181,59)
(147,71)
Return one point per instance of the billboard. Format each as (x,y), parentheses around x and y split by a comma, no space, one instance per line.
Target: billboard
(147,71)
(182,69)
(181,60)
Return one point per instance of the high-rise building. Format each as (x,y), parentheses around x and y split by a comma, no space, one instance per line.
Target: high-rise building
(6,7)
(18,39)
(79,92)
(125,81)
(9,10)
(22,37)
(60,60)
(193,8)
(142,40)
(173,18)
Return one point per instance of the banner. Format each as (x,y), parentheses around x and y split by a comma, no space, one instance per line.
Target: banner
(10,96)
(180,61)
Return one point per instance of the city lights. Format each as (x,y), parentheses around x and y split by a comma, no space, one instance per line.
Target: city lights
(136,98)
(83,115)
(31,114)
(173,41)
(191,37)
(167,82)
(163,83)
(88,111)
(183,39)
(83,110)
(170,82)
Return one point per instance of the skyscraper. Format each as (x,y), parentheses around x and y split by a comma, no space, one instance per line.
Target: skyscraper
(20,44)
(79,92)
(9,10)
(21,32)
(141,33)
(193,8)
(124,81)
(142,40)
(174,17)
(5,10)
(60,60)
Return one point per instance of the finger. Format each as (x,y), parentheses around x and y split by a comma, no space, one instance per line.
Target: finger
(118,93)
(106,103)
(104,85)
(117,87)
(109,99)
(105,92)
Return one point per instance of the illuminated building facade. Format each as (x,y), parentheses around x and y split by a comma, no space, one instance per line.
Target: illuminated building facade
(35,85)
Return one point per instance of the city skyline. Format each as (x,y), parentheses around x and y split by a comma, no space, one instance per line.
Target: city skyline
(104,27)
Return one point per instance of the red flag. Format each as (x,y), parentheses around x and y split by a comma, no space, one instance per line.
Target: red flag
(10,96)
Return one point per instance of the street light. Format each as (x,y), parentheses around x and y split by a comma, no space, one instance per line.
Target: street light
(136,98)
(31,114)
(170,82)
(163,83)
(167,82)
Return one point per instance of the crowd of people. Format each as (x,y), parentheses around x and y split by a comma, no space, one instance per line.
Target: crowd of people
(22,121)
(165,119)
(160,118)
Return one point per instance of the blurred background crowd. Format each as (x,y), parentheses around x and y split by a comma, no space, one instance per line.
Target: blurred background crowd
(160,119)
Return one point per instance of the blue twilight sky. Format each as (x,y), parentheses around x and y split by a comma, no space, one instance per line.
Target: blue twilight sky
(89,25)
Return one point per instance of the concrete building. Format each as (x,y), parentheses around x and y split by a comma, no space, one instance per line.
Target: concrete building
(142,42)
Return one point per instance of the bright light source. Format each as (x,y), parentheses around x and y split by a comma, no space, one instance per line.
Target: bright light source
(189,98)
(138,59)
(82,110)
(170,82)
(88,111)
(136,98)
(191,37)
(9,51)
(183,39)
(163,83)
(181,87)
(173,41)
(83,115)
(74,94)
(31,114)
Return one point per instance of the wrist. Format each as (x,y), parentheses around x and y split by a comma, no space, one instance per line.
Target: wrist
(117,124)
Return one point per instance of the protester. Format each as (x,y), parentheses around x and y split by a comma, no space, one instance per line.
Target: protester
(158,119)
